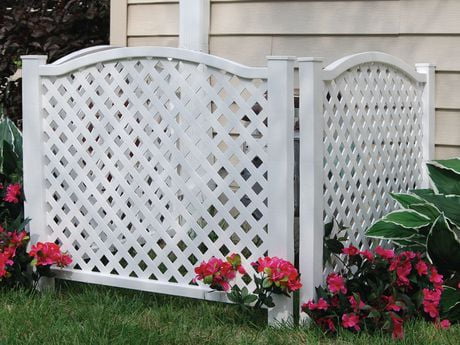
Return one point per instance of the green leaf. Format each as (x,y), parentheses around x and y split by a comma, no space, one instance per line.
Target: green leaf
(385,230)
(10,163)
(407,219)
(450,303)
(334,245)
(422,192)
(452,164)
(427,210)
(233,297)
(249,299)
(443,246)
(328,229)
(244,291)
(12,135)
(266,283)
(446,180)
(406,200)
(447,204)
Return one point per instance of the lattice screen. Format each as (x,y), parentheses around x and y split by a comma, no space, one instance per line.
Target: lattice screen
(153,165)
(372,144)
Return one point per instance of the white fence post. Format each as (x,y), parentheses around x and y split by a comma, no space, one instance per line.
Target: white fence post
(34,206)
(194,24)
(281,170)
(428,116)
(311,175)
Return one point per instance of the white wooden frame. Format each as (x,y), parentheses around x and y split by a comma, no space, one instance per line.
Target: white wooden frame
(279,77)
(312,79)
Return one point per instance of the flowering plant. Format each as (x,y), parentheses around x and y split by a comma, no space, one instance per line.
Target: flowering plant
(274,276)
(378,290)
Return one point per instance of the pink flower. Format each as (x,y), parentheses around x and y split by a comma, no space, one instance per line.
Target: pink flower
(354,303)
(13,192)
(367,254)
(310,305)
(216,273)
(398,330)
(435,277)
(279,272)
(385,253)
(444,324)
(431,300)
(17,239)
(326,323)
(336,284)
(391,303)
(402,265)
(49,253)
(351,250)
(321,305)
(421,267)
(351,321)
(5,260)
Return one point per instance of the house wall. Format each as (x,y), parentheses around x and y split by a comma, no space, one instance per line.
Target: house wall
(249,30)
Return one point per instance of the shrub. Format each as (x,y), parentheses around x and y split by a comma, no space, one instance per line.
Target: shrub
(377,290)
(52,27)
(16,262)
(430,223)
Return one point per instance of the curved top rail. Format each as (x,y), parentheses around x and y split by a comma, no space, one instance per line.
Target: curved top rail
(82,52)
(75,63)
(338,67)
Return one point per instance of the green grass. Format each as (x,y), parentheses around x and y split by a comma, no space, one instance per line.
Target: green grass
(87,314)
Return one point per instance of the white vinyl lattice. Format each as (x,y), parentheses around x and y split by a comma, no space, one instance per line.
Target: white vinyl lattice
(372,144)
(153,165)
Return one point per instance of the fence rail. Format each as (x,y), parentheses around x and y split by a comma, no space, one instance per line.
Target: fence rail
(142,162)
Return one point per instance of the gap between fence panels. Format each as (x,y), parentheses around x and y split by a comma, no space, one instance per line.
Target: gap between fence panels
(143,162)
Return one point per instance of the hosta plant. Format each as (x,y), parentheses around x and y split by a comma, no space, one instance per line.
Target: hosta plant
(273,276)
(378,290)
(429,222)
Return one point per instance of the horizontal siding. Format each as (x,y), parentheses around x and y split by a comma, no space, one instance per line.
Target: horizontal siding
(151,1)
(448,90)
(305,17)
(153,19)
(444,152)
(444,51)
(166,41)
(448,127)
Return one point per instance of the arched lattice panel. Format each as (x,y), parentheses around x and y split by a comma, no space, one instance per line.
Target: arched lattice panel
(153,165)
(372,144)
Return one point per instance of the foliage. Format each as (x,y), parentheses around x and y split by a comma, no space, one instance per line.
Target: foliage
(15,261)
(51,27)
(274,276)
(378,290)
(430,223)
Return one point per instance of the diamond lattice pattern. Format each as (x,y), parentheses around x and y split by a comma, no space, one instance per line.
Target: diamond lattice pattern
(372,144)
(153,165)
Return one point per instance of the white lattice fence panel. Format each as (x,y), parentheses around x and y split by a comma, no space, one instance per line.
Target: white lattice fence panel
(154,164)
(372,144)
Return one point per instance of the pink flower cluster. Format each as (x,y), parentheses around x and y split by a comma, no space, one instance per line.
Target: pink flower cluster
(281,273)
(218,273)
(405,274)
(10,241)
(48,253)
(12,193)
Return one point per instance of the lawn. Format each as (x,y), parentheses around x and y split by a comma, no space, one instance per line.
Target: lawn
(88,314)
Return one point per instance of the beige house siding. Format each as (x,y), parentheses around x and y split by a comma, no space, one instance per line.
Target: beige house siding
(247,31)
